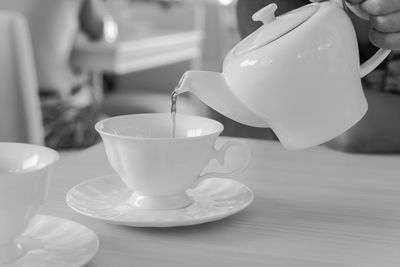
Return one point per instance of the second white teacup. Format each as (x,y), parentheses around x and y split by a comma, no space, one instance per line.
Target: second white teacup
(158,168)
(24,180)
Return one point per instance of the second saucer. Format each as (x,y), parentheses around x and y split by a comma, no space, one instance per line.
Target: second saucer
(51,241)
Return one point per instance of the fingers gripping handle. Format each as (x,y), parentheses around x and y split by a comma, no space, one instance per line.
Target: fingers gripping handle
(219,155)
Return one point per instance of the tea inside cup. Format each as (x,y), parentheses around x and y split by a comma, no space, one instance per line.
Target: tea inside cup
(151,126)
(24,173)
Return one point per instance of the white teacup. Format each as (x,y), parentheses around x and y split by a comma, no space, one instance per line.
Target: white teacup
(24,180)
(158,168)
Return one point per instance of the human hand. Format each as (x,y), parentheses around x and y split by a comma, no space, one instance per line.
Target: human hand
(384,17)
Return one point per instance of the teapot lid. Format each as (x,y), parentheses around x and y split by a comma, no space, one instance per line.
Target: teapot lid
(274,27)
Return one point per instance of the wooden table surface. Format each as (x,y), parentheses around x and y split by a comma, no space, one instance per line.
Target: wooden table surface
(314,207)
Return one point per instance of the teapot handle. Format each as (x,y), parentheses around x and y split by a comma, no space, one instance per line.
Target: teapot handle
(380,55)
(373,61)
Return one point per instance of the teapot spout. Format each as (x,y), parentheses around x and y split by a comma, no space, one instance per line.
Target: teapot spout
(213,89)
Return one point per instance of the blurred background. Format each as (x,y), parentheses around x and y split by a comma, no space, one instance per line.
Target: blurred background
(147,47)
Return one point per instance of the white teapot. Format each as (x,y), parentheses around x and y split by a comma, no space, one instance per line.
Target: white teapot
(299,74)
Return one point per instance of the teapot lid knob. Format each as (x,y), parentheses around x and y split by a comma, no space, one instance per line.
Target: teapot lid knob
(274,27)
(266,14)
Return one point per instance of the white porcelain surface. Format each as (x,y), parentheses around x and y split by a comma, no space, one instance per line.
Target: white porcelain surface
(24,180)
(156,166)
(106,199)
(304,82)
(55,242)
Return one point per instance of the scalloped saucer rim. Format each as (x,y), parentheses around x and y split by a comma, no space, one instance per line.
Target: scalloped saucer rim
(41,248)
(208,204)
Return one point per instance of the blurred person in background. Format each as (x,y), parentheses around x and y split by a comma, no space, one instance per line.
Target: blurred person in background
(70,104)
(379,130)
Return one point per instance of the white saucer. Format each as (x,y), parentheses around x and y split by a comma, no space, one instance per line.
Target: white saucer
(51,241)
(106,199)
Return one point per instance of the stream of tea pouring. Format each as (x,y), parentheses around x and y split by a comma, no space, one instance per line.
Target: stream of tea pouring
(174,99)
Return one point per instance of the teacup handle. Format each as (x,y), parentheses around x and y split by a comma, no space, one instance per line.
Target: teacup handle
(219,155)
